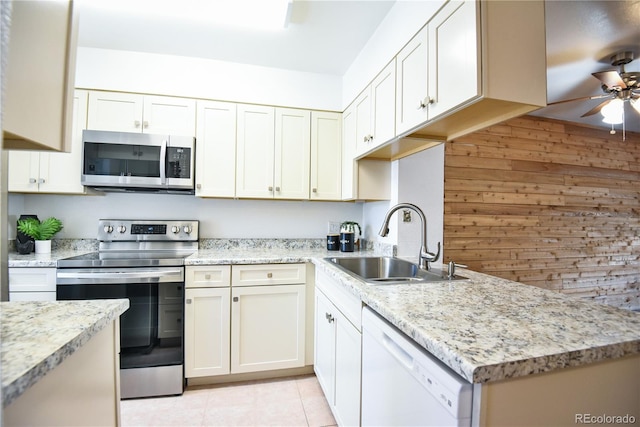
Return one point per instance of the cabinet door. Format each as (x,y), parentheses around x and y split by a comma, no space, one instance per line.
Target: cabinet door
(119,112)
(39,78)
(349,166)
(267,328)
(169,115)
(326,156)
(216,149)
(255,145)
(324,362)
(362,109)
(453,56)
(206,332)
(347,372)
(60,172)
(411,84)
(24,171)
(383,106)
(292,153)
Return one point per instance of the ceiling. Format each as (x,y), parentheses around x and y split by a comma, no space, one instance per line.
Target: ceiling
(325,37)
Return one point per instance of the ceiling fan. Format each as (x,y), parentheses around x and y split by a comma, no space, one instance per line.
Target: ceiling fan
(619,87)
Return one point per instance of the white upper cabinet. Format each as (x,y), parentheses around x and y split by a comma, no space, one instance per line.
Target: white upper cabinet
(375,111)
(130,112)
(326,156)
(292,153)
(453,57)
(273,152)
(39,76)
(383,105)
(412,96)
(44,172)
(255,151)
(216,149)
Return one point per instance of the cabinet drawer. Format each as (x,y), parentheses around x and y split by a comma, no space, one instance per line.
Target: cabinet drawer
(32,280)
(268,274)
(208,276)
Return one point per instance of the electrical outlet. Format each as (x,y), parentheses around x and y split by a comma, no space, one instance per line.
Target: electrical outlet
(406,215)
(333,227)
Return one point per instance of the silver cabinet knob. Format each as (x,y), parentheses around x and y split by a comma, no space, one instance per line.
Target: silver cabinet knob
(278,189)
(424,102)
(199,186)
(270,188)
(145,124)
(315,190)
(188,301)
(207,276)
(136,123)
(32,181)
(41,181)
(269,275)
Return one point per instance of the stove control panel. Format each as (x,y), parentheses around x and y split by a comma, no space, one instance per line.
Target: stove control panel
(111,230)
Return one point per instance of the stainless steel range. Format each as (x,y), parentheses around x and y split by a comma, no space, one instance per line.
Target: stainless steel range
(144,262)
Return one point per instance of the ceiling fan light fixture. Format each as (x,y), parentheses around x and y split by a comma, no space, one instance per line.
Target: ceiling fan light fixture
(613,112)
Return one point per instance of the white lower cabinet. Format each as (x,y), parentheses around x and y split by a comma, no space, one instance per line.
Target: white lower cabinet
(267,328)
(206,332)
(337,361)
(32,284)
(244,318)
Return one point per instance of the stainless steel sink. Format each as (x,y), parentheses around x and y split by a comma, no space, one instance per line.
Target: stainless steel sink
(388,270)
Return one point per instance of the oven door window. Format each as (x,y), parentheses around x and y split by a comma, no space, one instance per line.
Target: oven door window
(121,160)
(151,329)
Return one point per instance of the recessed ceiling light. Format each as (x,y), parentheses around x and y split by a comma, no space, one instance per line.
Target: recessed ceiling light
(251,14)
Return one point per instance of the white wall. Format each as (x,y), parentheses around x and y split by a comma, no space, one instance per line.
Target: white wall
(202,78)
(219,218)
(417,179)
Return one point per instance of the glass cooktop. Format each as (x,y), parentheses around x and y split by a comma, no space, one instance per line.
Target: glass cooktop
(138,258)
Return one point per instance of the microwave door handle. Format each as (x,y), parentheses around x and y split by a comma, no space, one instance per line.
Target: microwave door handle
(163,162)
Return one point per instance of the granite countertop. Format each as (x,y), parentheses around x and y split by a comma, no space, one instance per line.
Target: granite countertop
(38,336)
(484,328)
(490,329)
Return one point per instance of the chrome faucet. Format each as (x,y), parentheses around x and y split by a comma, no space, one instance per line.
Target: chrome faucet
(425,256)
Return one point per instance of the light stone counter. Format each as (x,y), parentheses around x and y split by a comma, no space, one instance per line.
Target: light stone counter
(39,336)
(490,329)
(485,328)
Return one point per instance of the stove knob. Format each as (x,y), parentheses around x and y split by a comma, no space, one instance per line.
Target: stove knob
(108,229)
(186,229)
(175,229)
(122,229)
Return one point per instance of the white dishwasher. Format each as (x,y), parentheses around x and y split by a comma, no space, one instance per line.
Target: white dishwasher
(404,385)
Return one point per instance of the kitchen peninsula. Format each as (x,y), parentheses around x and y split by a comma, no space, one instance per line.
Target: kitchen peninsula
(62,358)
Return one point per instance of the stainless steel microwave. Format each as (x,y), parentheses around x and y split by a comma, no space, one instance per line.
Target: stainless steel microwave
(122,161)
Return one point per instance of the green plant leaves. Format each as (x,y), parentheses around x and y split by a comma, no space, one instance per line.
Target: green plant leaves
(44,230)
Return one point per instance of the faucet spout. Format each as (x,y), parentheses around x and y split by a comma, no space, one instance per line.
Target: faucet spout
(425,256)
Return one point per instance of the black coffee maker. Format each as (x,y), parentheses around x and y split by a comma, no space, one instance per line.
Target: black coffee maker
(25,244)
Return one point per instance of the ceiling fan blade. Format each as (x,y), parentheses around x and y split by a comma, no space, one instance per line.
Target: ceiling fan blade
(610,78)
(583,98)
(596,109)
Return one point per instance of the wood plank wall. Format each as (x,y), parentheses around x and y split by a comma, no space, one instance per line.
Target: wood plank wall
(547,203)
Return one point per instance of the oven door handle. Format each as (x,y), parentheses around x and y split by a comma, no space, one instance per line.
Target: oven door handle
(122,274)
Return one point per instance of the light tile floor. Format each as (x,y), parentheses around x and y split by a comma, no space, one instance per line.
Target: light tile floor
(294,401)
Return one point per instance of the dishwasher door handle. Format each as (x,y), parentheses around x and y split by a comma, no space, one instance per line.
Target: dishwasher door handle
(398,352)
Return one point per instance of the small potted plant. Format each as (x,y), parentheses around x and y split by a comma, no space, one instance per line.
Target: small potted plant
(41,231)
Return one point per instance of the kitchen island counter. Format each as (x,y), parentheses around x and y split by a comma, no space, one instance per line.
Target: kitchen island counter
(38,336)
